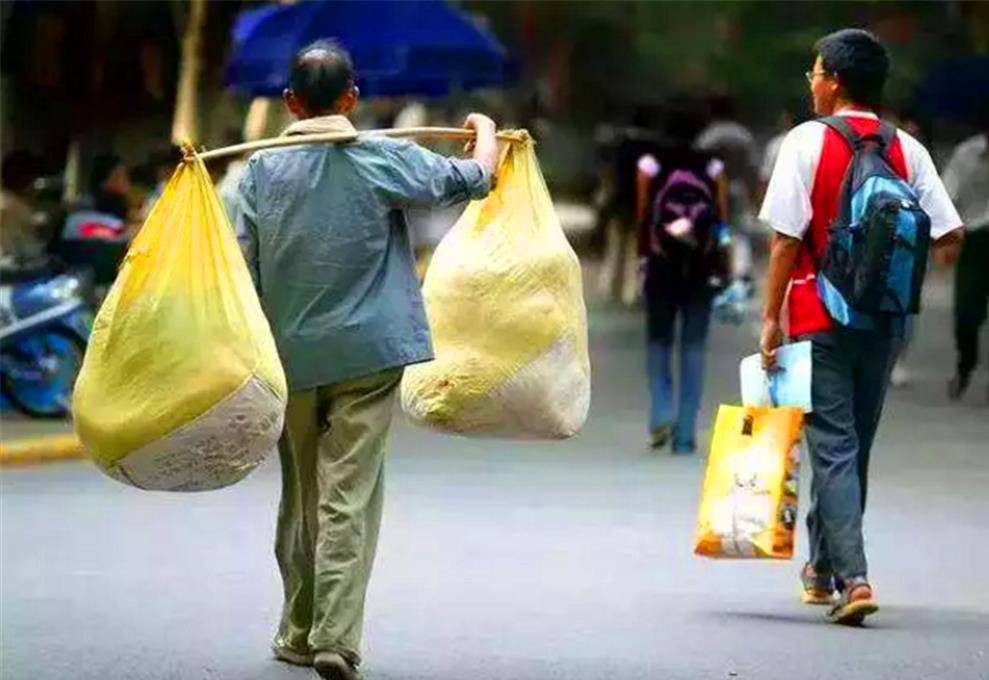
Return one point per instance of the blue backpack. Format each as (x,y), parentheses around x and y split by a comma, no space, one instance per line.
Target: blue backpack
(876,256)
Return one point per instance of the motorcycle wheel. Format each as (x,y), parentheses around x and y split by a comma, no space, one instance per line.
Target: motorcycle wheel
(52,397)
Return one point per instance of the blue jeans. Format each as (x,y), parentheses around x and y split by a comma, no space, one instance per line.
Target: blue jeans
(850,373)
(694,317)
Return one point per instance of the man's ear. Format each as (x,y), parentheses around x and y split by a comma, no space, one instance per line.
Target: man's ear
(292,103)
(348,101)
(836,86)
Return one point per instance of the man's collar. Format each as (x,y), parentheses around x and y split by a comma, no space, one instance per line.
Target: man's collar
(856,113)
(319,125)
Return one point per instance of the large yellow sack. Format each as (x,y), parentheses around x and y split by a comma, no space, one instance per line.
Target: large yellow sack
(181,388)
(505,304)
(749,502)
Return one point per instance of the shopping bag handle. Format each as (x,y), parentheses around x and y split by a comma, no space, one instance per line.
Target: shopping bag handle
(748,421)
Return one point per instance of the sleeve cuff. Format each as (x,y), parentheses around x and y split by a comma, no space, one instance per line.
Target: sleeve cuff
(485,184)
(939,231)
(477,180)
(780,227)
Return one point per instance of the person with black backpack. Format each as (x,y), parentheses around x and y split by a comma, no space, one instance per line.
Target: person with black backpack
(681,205)
(855,205)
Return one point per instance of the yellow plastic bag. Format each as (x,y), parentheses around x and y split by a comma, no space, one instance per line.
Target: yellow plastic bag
(749,502)
(505,304)
(181,388)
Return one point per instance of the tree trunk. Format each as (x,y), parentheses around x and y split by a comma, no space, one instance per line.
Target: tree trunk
(185,122)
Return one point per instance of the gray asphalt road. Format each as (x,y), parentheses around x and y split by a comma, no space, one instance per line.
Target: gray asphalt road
(531,561)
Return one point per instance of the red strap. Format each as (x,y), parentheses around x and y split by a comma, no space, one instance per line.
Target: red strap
(100,230)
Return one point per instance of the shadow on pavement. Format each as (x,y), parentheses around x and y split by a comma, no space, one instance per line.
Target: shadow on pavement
(890,618)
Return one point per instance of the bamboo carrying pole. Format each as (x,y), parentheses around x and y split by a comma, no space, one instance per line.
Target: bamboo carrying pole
(343,137)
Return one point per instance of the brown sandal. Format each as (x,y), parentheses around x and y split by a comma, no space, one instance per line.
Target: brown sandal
(854,604)
(817,588)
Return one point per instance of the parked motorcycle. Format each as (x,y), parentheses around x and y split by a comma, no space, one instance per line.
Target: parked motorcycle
(45,320)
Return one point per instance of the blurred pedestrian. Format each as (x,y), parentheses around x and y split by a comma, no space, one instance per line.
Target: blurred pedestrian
(96,237)
(108,218)
(727,138)
(230,172)
(618,277)
(851,366)
(682,202)
(23,236)
(328,248)
(901,376)
(966,177)
(154,175)
(784,124)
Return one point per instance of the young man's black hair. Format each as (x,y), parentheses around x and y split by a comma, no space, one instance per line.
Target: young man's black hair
(322,72)
(859,62)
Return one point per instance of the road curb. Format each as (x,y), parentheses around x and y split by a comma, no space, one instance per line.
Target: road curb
(32,450)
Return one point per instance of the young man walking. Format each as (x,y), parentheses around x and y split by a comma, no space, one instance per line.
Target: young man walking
(327,244)
(850,366)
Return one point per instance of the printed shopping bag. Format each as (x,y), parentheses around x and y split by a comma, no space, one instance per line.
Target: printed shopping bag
(749,500)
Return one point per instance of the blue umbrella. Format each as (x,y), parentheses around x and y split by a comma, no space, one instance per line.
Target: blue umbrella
(417,47)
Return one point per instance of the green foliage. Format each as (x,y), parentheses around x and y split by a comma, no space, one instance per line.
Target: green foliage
(622,54)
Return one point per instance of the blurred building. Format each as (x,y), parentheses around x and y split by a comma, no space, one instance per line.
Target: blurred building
(103,73)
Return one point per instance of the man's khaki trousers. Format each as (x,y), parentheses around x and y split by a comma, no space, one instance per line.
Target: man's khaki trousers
(332,454)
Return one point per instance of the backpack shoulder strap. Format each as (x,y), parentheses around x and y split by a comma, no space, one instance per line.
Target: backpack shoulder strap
(886,133)
(841,126)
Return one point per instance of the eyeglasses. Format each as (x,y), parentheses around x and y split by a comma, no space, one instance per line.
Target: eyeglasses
(810,75)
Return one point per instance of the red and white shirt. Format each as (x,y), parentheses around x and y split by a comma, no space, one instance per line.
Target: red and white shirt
(802,200)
